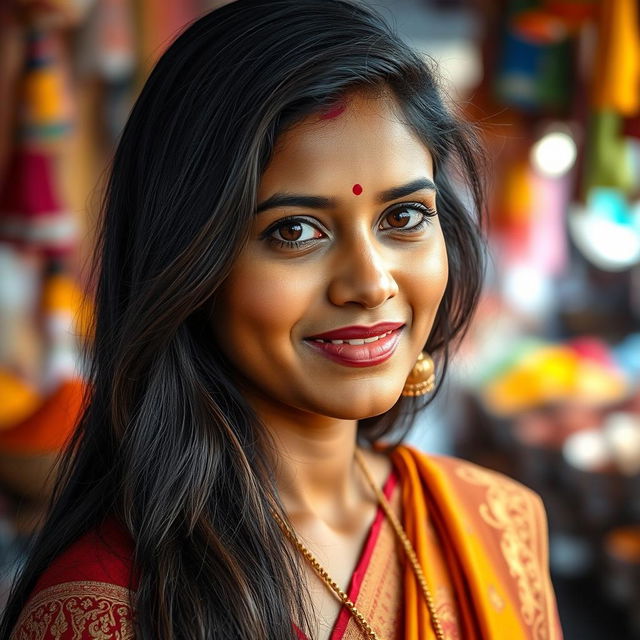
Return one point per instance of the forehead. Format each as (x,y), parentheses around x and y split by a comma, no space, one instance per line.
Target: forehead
(365,143)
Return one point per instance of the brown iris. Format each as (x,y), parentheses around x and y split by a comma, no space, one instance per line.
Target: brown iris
(291,232)
(399,218)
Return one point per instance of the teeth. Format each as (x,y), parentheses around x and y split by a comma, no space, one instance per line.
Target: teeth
(355,341)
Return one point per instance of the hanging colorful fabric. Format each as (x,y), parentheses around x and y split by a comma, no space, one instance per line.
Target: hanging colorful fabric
(616,76)
(32,212)
(534,71)
(609,161)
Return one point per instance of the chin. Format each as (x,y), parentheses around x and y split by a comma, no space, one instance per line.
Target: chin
(356,408)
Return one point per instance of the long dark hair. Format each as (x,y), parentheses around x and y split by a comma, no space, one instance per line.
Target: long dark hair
(167,443)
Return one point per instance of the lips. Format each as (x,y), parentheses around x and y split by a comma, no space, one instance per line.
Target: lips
(356,332)
(358,346)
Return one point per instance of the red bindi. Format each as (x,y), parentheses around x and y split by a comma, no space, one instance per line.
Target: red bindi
(357,189)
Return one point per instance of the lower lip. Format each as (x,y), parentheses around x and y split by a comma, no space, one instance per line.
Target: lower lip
(359,355)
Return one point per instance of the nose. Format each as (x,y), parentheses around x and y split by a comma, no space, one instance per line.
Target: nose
(363,275)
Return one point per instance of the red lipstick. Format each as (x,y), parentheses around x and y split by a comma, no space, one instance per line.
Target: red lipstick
(357,331)
(358,346)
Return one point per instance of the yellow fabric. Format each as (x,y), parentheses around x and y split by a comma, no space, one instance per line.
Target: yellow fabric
(490,533)
(18,400)
(550,374)
(60,294)
(43,91)
(617,74)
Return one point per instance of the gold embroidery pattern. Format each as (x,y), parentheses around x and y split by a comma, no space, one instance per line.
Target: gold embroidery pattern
(495,598)
(379,597)
(76,610)
(446,612)
(510,510)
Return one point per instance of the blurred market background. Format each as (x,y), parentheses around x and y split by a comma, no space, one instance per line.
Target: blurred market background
(546,387)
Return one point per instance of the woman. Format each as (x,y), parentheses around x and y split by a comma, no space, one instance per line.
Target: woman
(281,240)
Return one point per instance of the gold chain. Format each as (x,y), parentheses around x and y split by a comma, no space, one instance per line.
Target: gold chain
(406,543)
(408,547)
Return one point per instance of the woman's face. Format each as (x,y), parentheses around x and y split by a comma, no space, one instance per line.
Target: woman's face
(346,245)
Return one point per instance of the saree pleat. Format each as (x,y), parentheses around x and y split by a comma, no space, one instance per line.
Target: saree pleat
(491,536)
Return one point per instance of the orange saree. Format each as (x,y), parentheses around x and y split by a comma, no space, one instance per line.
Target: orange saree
(480,538)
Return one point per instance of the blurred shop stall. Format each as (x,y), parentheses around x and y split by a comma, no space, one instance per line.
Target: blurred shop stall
(551,369)
(69,70)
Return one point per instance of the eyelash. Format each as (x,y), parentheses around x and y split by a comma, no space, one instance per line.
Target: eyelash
(427,214)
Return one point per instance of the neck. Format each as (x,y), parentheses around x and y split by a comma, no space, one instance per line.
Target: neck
(316,471)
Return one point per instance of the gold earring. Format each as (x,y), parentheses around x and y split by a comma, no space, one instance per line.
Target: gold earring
(422,378)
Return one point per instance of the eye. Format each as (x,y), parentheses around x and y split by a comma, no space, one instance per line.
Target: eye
(292,232)
(407,217)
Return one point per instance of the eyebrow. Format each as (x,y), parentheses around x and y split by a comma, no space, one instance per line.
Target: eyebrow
(321,202)
(406,189)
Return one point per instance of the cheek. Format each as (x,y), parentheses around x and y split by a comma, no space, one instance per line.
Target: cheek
(426,281)
(437,268)
(260,303)
(432,271)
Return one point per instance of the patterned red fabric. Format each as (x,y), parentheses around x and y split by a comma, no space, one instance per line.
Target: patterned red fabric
(85,594)
(104,555)
(480,537)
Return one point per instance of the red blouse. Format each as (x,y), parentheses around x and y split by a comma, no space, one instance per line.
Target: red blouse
(85,593)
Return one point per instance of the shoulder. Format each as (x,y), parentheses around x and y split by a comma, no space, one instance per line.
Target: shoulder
(86,592)
(494,527)
(479,499)
(480,504)
(458,474)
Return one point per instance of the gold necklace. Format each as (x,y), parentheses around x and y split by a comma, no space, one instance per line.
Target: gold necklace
(406,543)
